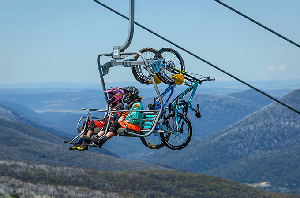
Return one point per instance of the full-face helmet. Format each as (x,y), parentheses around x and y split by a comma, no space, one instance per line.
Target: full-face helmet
(114,94)
(130,93)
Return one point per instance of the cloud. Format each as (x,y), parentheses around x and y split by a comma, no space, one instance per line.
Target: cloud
(3,64)
(282,67)
(273,69)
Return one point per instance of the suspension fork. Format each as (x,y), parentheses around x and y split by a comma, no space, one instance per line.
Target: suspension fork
(197,112)
(173,108)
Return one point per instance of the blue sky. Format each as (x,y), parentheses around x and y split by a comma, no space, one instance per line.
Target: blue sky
(59,40)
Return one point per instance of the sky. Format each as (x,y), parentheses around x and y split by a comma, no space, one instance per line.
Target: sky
(59,40)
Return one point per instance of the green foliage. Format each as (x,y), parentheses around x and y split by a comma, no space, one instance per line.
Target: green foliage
(147,183)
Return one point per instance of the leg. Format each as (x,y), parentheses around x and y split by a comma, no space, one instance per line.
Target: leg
(82,146)
(84,133)
(100,133)
(90,133)
(112,131)
(109,135)
(80,141)
(101,141)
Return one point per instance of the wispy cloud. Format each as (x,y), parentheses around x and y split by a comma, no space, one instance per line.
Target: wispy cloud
(270,69)
(3,64)
(273,69)
(282,67)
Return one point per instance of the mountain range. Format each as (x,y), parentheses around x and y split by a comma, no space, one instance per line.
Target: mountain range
(60,110)
(101,175)
(263,146)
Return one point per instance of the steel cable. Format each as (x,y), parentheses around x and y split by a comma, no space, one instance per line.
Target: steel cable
(257,23)
(196,56)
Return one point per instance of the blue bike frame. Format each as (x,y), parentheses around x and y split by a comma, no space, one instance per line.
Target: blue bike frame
(171,89)
(174,107)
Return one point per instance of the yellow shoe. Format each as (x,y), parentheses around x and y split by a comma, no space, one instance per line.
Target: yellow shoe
(82,147)
(74,147)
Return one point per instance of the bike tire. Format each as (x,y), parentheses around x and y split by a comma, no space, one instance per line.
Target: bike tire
(172,58)
(177,140)
(138,71)
(153,141)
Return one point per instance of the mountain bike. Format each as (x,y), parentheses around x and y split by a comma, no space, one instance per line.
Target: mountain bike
(177,127)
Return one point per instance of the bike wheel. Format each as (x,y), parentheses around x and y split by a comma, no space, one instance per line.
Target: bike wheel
(181,138)
(138,71)
(153,141)
(172,60)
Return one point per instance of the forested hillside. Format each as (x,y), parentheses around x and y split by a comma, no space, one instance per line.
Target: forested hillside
(21,142)
(23,179)
(268,136)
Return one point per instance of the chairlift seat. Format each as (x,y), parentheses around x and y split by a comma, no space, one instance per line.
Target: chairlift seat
(122,132)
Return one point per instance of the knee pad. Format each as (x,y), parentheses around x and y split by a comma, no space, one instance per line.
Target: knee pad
(114,127)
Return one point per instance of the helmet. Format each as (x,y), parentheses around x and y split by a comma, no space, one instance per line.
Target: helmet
(130,93)
(114,94)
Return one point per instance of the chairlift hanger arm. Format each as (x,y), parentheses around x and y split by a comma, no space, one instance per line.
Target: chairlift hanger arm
(118,49)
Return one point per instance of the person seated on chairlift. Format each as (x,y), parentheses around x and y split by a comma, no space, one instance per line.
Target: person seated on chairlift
(115,96)
(133,101)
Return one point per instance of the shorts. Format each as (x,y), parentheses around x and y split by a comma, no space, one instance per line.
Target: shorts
(94,124)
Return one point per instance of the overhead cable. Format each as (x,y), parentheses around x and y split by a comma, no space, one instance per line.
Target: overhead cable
(258,23)
(196,56)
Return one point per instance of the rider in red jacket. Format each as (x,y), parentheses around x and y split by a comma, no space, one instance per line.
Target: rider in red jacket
(129,119)
(115,103)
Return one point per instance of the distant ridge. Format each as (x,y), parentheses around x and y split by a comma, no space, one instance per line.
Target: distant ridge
(224,87)
(271,131)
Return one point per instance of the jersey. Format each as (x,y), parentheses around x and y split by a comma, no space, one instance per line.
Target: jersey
(136,114)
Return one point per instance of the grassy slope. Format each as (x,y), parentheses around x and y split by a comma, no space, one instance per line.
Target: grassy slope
(151,183)
(21,142)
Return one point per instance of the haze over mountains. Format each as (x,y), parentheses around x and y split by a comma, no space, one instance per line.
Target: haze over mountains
(61,107)
(251,143)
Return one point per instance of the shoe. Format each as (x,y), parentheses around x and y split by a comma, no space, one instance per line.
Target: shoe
(88,140)
(74,147)
(82,147)
(95,140)
(101,142)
